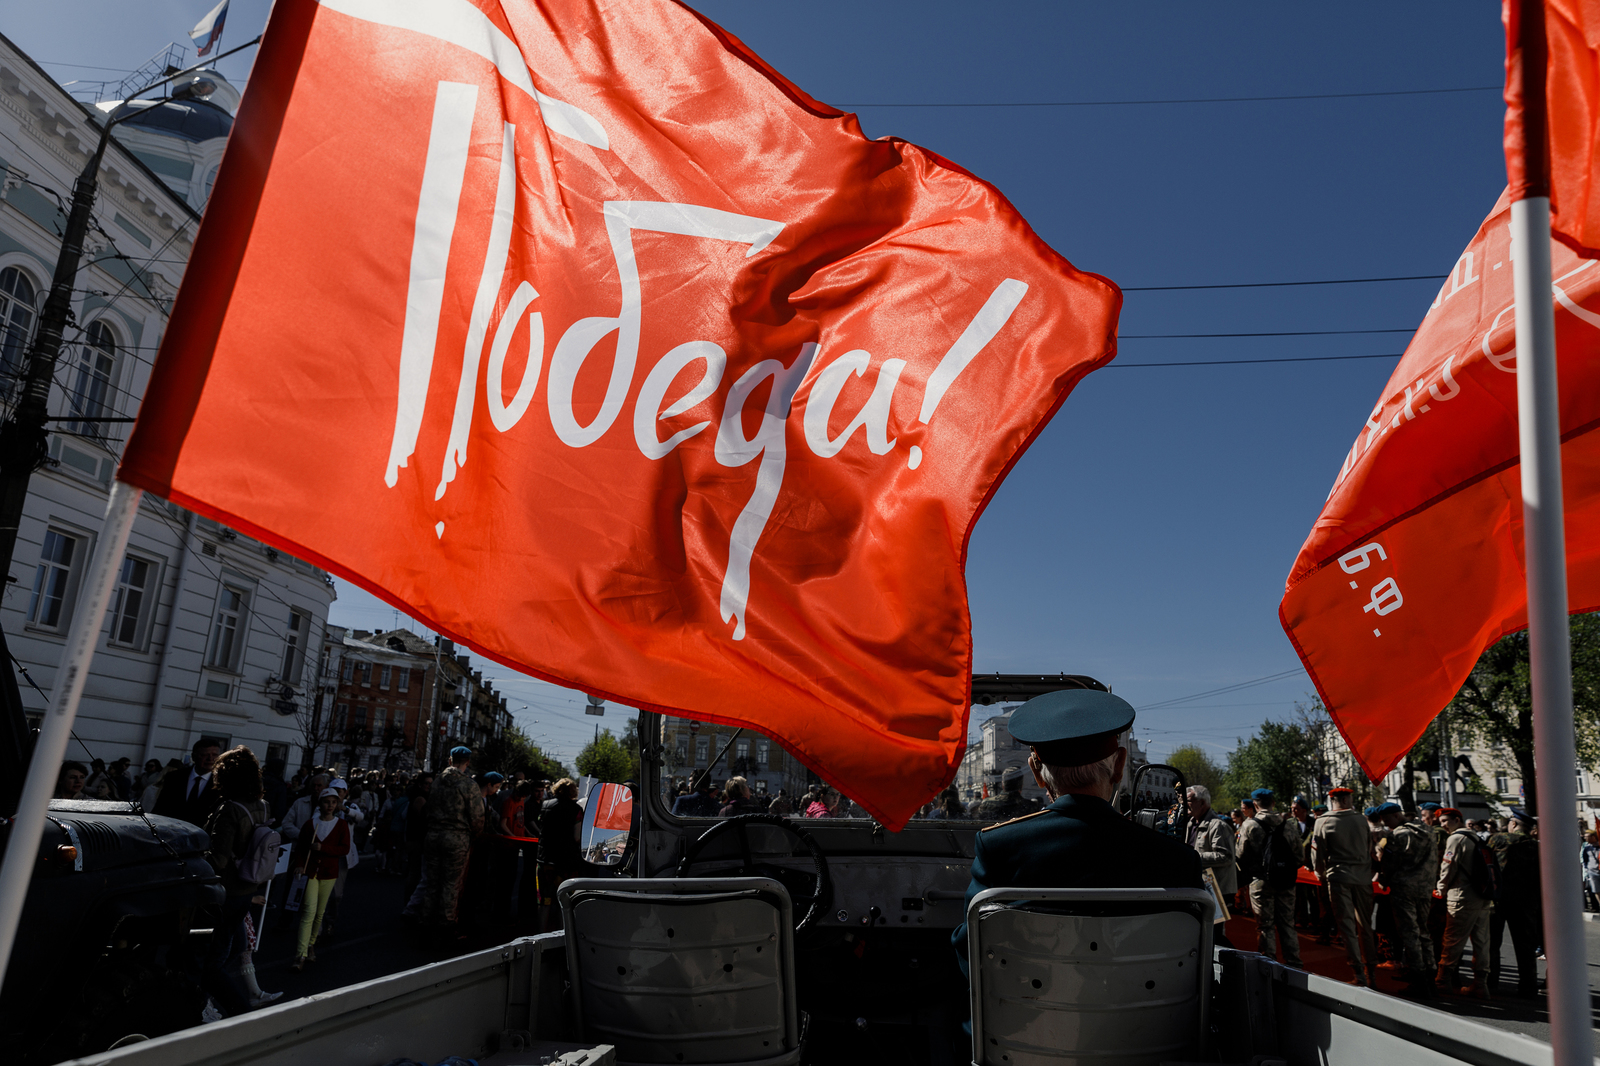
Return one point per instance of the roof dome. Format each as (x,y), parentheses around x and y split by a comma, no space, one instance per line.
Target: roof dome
(192,119)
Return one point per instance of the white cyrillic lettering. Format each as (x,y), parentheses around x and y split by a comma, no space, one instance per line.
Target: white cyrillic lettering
(505,415)
(647,408)
(442,175)
(494,270)
(733,449)
(873,416)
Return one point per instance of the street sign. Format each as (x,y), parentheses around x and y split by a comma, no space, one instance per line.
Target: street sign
(694,727)
(597,705)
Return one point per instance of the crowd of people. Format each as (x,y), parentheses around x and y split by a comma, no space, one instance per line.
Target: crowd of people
(703,797)
(1399,891)
(472,849)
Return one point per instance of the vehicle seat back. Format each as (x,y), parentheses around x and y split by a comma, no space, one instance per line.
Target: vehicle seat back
(684,970)
(1089,975)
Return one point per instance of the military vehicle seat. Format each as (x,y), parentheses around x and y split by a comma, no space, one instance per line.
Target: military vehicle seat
(1076,975)
(684,970)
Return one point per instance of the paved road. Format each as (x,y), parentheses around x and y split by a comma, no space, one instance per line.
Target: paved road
(1529,1017)
(369,940)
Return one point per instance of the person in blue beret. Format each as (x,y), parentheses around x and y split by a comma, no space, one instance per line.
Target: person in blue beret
(1078,840)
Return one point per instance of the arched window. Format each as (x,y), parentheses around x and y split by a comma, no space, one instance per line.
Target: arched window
(95,363)
(18,309)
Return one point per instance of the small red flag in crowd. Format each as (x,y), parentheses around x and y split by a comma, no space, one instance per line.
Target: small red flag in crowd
(581,334)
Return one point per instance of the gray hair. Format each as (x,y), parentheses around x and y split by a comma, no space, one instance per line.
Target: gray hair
(1201,793)
(1072,778)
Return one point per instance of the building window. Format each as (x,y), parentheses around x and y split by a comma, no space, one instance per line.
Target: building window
(1582,784)
(294,647)
(384,673)
(53,580)
(128,605)
(761,786)
(741,754)
(683,750)
(400,717)
(405,681)
(218,689)
(18,307)
(763,749)
(366,675)
(344,716)
(1501,784)
(702,750)
(348,674)
(90,397)
(227,632)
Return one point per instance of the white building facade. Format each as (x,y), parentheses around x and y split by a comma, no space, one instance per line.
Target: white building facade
(209,633)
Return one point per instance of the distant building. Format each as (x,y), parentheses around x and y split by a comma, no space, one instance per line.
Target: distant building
(210,633)
(690,747)
(395,700)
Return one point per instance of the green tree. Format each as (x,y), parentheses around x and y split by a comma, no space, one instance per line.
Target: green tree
(605,758)
(1201,769)
(1496,703)
(1282,756)
(513,751)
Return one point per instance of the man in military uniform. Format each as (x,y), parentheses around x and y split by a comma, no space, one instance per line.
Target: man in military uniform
(1341,854)
(1078,840)
(454,817)
(1010,803)
(1436,910)
(1270,854)
(1409,869)
(1519,906)
(1467,908)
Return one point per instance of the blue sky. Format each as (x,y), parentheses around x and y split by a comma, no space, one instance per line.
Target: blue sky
(1146,537)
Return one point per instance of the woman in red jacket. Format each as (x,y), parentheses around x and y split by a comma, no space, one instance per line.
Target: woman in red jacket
(324,839)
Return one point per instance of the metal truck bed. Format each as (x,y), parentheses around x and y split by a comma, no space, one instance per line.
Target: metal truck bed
(506,1007)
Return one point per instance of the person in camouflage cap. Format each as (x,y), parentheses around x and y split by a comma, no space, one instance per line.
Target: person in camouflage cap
(454,817)
(1409,867)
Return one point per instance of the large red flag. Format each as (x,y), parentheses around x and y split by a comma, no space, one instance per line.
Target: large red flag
(584,336)
(1567,111)
(1415,565)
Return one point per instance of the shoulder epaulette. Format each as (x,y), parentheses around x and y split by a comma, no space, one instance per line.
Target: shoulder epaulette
(1014,821)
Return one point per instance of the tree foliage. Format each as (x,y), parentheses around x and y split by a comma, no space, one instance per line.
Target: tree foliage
(1198,768)
(1304,755)
(608,759)
(1495,706)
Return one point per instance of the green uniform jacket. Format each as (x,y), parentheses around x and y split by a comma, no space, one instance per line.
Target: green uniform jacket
(1410,859)
(456,804)
(1075,842)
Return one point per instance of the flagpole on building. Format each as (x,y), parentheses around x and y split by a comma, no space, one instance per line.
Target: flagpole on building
(88,619)
(1550,654)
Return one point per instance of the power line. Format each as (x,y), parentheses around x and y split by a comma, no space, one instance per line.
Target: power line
(1287,333)
(1237,362)
(1226,688)
(1280,284)
(1197,99)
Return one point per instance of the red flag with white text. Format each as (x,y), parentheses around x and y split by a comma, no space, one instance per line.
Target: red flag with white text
(1571,115)
(1415,565)
(582,335)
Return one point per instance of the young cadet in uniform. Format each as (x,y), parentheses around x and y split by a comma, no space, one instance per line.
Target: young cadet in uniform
(1341,853)
(1410,869)
(1468,909)
(1273,901)
(1519,906)
(1078,840)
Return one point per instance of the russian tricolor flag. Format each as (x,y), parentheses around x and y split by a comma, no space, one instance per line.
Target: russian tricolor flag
(208,31)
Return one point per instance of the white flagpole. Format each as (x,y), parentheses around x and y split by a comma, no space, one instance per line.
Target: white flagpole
(22,850)
(1549,646)
(1545,552)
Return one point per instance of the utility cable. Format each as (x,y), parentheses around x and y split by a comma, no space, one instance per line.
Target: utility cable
(1279,284)
(1237,362)
(1195,99)
(1226,688)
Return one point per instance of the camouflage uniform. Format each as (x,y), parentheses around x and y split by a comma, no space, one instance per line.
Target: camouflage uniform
(1410,869)
(454,816)
(1468,911)
(1004,807)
